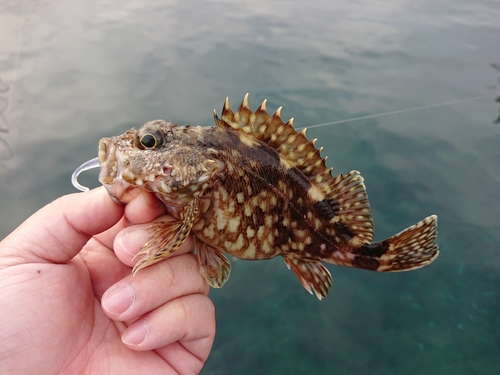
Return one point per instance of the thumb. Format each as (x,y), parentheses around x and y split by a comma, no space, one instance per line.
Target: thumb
(58,231)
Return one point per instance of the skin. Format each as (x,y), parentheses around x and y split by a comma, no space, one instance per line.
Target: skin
(69,304)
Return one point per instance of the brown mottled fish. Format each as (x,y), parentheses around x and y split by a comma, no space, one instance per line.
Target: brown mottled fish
(253,187)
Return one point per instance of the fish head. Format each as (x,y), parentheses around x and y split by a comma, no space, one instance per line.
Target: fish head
(160,157)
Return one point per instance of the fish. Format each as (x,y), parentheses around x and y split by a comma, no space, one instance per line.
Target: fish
(254,188)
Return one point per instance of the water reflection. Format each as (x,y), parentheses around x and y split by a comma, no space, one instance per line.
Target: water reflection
(497,68)
(6,151)
(497,121)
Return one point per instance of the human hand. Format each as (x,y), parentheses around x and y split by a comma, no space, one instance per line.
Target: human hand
(57,268)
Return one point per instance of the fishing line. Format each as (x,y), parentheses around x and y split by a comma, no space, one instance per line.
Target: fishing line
(400,111)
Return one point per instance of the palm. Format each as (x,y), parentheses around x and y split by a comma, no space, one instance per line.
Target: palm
(70,321)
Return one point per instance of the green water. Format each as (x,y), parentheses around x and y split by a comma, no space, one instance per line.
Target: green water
(75,71)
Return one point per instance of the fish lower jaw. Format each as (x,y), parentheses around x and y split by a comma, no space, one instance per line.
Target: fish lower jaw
(121,192)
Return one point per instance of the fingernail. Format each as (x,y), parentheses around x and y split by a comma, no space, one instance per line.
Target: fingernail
(132,241)
(118,299)
(136,334)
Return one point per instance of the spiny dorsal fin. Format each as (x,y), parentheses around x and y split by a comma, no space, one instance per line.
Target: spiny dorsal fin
(281,136)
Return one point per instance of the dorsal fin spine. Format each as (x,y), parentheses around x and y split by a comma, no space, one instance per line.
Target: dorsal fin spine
(262,106)
(260,118)
(244,103)
(227,115)
(226,107)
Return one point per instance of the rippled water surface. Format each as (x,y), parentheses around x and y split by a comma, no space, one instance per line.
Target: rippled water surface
(74,71)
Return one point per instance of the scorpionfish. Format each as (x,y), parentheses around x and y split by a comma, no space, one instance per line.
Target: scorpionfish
(253,187)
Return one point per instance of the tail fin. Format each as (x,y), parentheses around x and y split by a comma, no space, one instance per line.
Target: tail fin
(411,248)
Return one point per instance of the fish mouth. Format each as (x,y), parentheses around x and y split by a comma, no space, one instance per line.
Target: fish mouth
(112,164)
(108,160)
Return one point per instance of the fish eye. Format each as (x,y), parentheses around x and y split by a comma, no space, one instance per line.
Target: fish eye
(149,137)
(149,140)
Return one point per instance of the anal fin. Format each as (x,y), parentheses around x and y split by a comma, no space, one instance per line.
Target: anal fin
(313,275)
(214,266)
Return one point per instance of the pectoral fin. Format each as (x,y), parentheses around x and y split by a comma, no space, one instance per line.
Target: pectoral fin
(311,274)
(166,237)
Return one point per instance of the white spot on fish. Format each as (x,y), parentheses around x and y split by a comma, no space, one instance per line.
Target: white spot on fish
(260,232)
(251,251)
(209,232)
(234,223)
(315,193)
(221,221)
(266,247)
(250,232)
